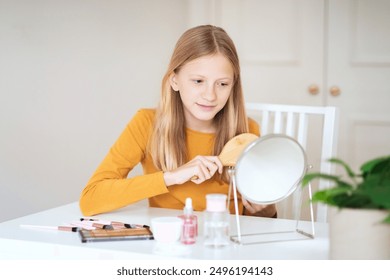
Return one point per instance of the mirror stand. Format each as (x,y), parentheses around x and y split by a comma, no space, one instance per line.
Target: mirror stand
(289,235)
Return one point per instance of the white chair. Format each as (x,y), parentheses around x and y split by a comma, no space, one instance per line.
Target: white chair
(315,128)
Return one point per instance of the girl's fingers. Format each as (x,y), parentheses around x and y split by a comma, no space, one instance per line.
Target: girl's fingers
(213,164)
(251,207)
(218,163)
(247,205)
(206,168)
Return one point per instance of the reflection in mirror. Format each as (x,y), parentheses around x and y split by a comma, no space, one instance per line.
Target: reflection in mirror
(270,169)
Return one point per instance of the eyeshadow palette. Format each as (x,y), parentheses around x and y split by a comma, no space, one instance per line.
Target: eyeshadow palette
(115,234)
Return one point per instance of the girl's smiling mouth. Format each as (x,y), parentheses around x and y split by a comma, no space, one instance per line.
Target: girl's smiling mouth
(206,107)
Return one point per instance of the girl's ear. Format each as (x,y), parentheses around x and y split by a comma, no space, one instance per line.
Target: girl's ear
(173,82)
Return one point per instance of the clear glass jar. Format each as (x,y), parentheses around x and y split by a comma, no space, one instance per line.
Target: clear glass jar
(216,221)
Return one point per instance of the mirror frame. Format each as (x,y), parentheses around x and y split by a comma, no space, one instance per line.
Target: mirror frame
(248,149)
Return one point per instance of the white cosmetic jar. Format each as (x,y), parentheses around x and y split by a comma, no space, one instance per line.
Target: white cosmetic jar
(166,229)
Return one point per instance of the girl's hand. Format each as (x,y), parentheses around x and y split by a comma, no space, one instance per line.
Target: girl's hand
(259,210)
(197,170)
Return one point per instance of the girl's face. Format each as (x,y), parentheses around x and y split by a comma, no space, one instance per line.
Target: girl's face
(204,85)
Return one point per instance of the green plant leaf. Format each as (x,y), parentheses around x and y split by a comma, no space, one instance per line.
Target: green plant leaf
(323,197)
(377,165)
(371,192)
(349,171)
(380,196)
(373,181)
(378,189)
(311,176)
(344,197)
(354,200)
(329,196)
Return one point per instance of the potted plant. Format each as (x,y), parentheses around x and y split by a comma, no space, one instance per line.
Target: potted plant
(359,219)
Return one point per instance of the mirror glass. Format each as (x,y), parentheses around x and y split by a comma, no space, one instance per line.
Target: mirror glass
(270,169)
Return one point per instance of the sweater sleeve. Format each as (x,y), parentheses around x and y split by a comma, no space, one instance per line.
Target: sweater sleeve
(109,188)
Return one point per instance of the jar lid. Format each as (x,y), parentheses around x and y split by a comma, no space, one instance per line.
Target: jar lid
(216,202)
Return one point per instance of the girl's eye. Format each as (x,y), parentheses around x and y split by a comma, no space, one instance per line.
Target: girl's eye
(223,84)
(197,81)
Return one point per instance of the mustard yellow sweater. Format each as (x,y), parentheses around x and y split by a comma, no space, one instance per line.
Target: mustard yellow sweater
(109,188)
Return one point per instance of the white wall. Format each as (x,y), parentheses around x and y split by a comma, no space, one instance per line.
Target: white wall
(72,74)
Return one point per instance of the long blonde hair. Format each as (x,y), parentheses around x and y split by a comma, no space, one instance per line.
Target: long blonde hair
(168,142)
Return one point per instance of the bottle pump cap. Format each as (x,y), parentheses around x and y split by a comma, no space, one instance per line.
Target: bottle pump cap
(216,202)
(188,208)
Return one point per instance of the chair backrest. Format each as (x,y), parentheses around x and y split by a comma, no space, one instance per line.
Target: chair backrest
(314,127)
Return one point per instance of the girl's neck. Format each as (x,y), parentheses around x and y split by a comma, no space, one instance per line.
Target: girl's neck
(202,127)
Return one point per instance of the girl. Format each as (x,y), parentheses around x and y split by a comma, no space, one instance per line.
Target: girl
(201,108)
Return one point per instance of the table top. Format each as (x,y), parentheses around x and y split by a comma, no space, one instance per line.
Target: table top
(21,243)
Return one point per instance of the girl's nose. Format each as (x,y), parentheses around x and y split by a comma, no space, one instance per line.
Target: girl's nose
(209,93)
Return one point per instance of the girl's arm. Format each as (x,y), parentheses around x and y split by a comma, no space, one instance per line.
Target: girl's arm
(109,188)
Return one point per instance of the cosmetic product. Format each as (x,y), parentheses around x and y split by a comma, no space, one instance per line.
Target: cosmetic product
(93,224)
(167,232)
(122,234)
(189,230)
(62,228)
(82,225)
(166,229)
(216,221)
(114,224)
(125,225)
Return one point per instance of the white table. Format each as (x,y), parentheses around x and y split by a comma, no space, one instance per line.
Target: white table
(18,243)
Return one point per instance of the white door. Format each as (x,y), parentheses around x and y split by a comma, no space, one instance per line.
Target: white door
(280,43)
(359,71)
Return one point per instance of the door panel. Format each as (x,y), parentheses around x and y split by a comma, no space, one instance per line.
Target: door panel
(280,44)
(359,64)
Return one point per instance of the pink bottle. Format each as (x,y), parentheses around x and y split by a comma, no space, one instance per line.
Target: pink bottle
(190,224)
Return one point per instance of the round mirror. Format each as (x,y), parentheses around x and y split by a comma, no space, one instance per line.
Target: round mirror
(270,169)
